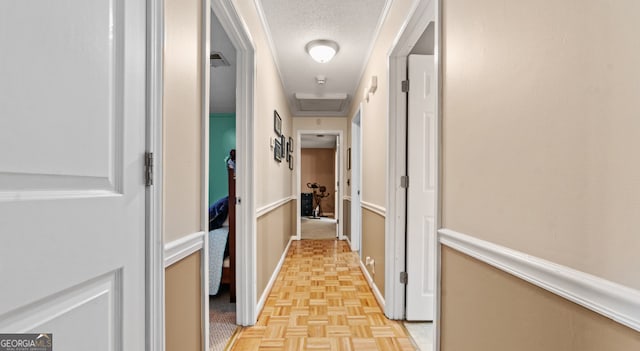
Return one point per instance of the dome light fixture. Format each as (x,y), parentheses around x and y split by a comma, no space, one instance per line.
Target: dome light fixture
(322,50)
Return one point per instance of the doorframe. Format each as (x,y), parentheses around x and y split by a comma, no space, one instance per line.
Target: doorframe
(239,34)
(245,80)
(298,167)
(421,14)
(154,280)
(356,182)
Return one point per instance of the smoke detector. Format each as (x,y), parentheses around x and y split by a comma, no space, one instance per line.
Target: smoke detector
(321,80)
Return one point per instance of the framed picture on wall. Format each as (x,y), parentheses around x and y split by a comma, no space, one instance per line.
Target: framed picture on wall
(277,123)
(283,146)
(290,144)
(348,158)
(277,150)
(290,160)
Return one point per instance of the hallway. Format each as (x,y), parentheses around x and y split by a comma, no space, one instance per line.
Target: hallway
(321,301)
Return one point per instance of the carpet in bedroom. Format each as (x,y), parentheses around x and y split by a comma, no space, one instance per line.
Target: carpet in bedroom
(222,319)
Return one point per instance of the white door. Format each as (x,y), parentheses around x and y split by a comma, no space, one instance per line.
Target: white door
(336,186)
(356,209)
(421,195)
(72,196)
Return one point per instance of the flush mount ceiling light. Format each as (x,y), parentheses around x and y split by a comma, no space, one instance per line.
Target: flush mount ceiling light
(322,50)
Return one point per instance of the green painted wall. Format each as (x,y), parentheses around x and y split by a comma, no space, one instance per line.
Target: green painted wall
(222,138)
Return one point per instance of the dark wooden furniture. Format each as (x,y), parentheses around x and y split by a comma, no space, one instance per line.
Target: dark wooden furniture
(229,273)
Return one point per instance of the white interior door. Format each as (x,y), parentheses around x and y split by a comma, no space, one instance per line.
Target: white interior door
(421,195)
(72,196)
(336,187)
(356,208)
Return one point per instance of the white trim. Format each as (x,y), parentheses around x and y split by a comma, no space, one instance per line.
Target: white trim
(612,300)
(155,326)
(346,238)
(372,285)
(340,147)
(374,208)
(272,206)
(348,198)
(183,247)
(267,290)
(205,45)
(246,250)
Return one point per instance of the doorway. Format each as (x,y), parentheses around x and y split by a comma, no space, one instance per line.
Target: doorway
(416,251)
(319,172)
(221,195)
(223,27)
(318,168)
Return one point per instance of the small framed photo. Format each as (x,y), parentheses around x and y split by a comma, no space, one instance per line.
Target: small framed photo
(283,145)
(290,160)
(290,144)
(277,123)
(348,158)
(277,150)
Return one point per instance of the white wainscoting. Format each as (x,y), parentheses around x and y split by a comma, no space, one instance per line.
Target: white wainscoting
(183,247)
(374,208)
(267,290)
(272,206)
(615,301)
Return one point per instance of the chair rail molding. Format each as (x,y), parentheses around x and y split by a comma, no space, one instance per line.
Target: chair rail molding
(615,301)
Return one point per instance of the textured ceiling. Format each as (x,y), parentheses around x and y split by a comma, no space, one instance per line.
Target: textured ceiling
(353,24)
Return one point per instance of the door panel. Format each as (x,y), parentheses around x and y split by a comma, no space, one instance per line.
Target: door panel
(72,201)
(421,197)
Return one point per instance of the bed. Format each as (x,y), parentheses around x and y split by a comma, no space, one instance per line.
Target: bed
(222,268)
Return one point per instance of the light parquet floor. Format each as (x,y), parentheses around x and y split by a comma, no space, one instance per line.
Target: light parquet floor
(321,301)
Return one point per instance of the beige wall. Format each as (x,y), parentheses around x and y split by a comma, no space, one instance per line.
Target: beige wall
(540,134)
(318,166)
(373,244)
(374,114)
(374,127)
(182,118)
(274,230)
(273,179)
(183,305)
(541,130)
(484,308)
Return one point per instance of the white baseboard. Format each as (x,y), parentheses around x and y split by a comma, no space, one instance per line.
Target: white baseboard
(272,206)
(267,290)
(372,285)
(178,249)
(618,302)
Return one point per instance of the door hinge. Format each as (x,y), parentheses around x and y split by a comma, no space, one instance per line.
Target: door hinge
(404,182)
(404,277)
(148,168)
(405,86)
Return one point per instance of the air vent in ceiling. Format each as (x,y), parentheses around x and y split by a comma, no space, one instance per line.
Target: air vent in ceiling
(321,103)
(218,60)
